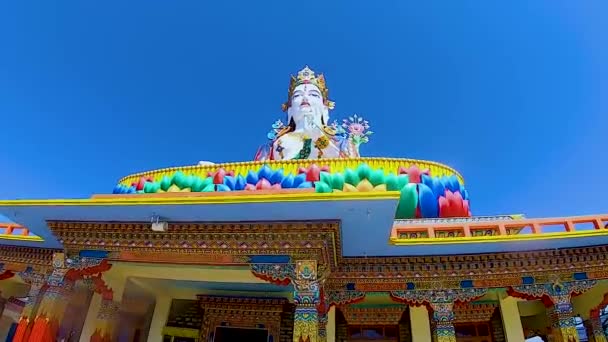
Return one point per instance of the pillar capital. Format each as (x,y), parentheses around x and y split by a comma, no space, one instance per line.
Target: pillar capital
(441,301)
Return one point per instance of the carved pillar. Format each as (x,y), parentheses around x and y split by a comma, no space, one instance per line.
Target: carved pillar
(560,314)
(443,322)
(595,333)
(442,303)
(306,298)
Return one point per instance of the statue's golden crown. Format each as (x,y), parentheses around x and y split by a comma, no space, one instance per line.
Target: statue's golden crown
(307,76)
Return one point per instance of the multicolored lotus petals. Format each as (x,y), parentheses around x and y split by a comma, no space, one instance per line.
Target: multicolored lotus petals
(422,195)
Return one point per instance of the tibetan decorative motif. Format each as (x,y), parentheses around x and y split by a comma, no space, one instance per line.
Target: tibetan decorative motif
(554,291)
(306,297)
(211,243)
(443,322)
(242,312)
(480,270)
(341,298)
(441,302)
(474,312)
(557,295)
(420,297)
(18,259)
(373,315)
(280,274)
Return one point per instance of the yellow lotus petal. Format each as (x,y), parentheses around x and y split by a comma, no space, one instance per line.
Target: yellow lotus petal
(365,186)
(349,188)
(173,188)
(381,187)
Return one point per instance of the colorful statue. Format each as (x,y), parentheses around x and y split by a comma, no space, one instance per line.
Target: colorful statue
(308,134)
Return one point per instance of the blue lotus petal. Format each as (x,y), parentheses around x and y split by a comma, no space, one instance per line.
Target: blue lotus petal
(131,190)
(305,185)
(464,193)
(252,177)
(299,179)
(230,182)
(265,172)
(454,183)
(240,183)
(276,177)
(287,182)
(429,207)
(222,188)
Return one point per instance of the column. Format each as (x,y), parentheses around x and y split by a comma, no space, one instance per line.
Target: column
(159,318)
(563,325)
(443,322)
(36,281)
(511,320)
(331,324)
(420,324)
(104,311)
(595,333)
(322,328)
(51,311)
(306,298)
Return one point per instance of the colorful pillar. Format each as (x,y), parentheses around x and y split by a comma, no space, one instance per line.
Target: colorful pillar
(104,309)
(595,333)
(36,281)
(442,303)
(563,325)
(560,313)
(306,298)
(443,322)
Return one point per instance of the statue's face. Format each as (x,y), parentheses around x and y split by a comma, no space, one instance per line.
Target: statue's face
(307,101)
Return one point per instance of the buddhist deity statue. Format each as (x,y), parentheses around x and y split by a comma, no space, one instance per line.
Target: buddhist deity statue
(308,134)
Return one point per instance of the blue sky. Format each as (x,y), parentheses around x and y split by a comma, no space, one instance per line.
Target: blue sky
(512,94)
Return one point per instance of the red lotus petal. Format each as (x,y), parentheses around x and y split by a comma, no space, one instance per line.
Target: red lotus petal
(313,174)
(218,178)
(302,170)
(263,184)
(250,187)
(443,207)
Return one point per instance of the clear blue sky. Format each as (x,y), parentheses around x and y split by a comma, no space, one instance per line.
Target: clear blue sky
(513,94)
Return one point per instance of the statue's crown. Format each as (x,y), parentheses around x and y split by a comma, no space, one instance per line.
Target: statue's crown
(307,76)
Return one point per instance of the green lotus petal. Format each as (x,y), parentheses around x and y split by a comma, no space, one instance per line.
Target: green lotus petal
(322,187)
(407,202)
(351,177)
(166,182)
(197,184)
(377,177)
(364,171)
(403,180)
(392,182)
(326,177)
(337,181)
(209,188)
